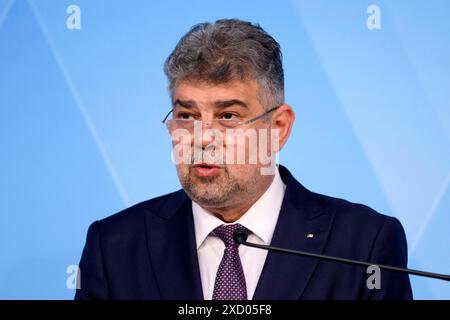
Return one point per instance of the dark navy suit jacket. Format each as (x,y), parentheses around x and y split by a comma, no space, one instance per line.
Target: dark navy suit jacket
(148,251)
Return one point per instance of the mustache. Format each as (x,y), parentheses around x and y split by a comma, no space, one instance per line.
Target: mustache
(203,155)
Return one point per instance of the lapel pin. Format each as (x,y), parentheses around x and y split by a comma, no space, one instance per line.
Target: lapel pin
(310,235)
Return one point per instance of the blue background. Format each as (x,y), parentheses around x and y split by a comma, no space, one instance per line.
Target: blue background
(80,112)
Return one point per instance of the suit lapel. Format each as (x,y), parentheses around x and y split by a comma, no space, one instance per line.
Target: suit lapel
(286,276)
(173,251)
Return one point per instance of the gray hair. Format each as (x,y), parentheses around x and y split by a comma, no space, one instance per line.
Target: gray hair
(229,50)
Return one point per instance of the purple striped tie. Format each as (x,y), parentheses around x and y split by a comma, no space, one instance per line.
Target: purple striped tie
(230,279)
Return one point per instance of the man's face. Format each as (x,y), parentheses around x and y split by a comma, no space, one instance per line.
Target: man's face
(222,184)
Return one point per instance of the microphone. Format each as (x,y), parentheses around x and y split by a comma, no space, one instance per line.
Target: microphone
(240,237)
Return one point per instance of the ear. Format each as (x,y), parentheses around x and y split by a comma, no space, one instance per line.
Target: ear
(283,120)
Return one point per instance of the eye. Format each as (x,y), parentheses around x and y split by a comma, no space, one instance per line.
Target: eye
(184,116)
(228,116)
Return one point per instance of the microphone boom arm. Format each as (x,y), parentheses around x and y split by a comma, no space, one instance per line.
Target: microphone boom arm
(241,237)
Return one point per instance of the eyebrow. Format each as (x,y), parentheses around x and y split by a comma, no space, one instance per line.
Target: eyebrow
(227,103)
(189,104)
(220,104)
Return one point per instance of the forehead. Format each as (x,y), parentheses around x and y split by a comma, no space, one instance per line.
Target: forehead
(208,93)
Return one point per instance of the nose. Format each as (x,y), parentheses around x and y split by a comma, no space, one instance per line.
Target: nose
(206,133)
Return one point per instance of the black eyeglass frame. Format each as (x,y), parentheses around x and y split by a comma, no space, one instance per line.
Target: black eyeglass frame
(240,124)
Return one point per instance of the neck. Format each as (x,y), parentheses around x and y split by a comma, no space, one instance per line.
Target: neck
(230,214)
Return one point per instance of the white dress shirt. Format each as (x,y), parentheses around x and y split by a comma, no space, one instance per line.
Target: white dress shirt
(261,219)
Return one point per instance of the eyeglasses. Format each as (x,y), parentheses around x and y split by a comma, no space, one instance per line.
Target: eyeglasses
(222,124)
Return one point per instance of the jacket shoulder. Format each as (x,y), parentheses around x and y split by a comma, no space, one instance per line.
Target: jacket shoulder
(359,221)
(352,212)
(133,217)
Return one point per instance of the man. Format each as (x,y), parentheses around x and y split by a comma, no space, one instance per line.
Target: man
(226,80)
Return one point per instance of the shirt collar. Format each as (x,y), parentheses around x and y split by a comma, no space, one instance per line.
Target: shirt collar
(261,218)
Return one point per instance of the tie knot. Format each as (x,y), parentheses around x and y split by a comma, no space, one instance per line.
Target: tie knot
(225,233)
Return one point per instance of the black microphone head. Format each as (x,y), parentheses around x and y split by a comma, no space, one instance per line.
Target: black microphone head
(240,236)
